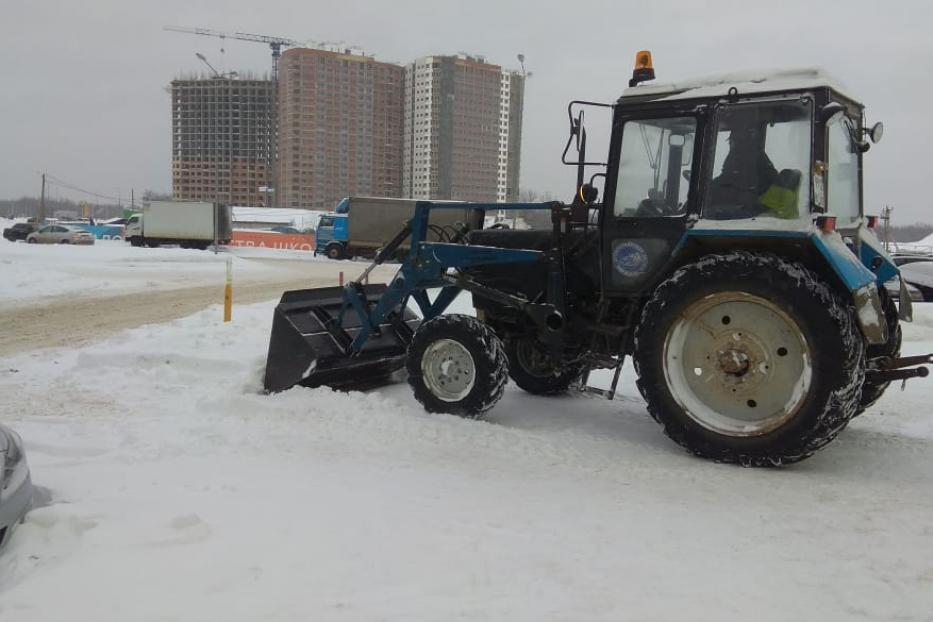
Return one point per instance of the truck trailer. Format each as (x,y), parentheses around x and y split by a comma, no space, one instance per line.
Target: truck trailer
(360,226)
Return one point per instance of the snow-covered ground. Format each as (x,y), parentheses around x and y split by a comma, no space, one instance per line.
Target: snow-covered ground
(110,266)
(177,491)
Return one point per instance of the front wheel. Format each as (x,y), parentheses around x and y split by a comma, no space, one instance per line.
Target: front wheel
(32,241)
(335,251)
(748,358)
(457,365)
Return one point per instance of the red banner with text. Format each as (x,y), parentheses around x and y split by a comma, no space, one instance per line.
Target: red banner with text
(270,239)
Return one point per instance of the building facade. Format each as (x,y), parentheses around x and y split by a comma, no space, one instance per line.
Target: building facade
(222,140)
(339,129)
(462,130)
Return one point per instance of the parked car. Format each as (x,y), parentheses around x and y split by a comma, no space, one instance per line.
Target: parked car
(15,483)
(902,259)
(19,231)
(60,234)
(893,287)
(919,274)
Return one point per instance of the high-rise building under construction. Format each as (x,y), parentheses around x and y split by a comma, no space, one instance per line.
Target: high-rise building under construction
(222,140)
(463,126)
(340,127)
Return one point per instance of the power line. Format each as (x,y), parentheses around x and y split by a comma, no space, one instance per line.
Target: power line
(66,185)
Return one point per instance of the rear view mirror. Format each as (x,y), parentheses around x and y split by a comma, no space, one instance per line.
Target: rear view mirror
(876,132)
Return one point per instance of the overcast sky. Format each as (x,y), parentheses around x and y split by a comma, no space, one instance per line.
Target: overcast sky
(83,91)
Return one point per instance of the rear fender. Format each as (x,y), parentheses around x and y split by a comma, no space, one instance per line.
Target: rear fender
(825,253)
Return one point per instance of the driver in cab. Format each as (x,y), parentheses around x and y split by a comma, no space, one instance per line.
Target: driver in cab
(748,184)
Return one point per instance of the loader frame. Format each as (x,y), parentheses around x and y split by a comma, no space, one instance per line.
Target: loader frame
(427,267)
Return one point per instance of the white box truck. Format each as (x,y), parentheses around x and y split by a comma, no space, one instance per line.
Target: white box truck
(186,223)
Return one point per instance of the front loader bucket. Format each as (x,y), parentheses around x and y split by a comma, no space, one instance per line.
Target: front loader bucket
(307,347)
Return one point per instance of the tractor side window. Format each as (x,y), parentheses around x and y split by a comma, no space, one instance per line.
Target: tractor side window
(326,221)
(761,162)
(842,181)
(654,167)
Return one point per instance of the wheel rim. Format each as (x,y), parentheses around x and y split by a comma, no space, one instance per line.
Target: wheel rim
(737,364)
(448,370)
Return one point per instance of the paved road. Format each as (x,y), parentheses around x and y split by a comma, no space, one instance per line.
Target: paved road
(72,321)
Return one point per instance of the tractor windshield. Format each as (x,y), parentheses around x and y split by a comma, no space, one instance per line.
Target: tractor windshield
(761,161)
(654,167)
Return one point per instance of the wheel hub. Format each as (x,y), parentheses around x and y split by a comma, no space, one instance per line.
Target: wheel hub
(733,362)
(737,364)
(448,370)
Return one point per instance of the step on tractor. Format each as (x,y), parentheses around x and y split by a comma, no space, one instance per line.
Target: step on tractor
(728,256)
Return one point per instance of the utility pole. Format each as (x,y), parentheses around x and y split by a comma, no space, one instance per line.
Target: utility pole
(886,217)
(42,201)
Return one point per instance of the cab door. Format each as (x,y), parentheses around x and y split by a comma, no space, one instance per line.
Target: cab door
(651,191)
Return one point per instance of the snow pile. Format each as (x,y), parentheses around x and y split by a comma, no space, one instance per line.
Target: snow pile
(298,218)
(180,492)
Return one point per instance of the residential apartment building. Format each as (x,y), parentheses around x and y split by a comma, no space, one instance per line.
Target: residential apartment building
(222,139)
(340,127)
(462,129)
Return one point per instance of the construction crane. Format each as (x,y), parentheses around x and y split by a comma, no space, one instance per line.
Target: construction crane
(275,43)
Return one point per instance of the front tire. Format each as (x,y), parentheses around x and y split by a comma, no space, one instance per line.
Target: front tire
(532,371)
(750,359)
(334,251)
(457,365)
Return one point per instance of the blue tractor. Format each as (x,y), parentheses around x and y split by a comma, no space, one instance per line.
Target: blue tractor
(729,258)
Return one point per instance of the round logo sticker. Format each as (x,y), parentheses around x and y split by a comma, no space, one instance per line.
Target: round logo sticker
(630,259)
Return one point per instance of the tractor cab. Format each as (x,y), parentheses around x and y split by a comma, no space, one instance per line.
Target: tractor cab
(750,155)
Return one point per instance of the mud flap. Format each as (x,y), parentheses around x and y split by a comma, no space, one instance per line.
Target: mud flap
(905,306)
(310,341)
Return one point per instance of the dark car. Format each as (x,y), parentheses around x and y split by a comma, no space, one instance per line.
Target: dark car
(19,231)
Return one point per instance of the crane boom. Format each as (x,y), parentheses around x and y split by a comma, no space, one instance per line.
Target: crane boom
(242,36)
(275,43)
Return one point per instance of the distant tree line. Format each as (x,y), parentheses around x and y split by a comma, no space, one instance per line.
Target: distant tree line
(910,233)
(28,207)
(540,219)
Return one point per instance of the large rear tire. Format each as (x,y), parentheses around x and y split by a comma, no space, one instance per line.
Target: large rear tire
(750,359)
(872,390)
(457,365)
(532,371)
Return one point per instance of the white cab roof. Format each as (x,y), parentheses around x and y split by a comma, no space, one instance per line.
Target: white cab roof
(745,82)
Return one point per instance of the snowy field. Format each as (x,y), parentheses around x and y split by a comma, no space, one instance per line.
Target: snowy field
(177,491)
(112,266)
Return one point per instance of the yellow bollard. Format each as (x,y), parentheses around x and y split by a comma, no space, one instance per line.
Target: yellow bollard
(228,292)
